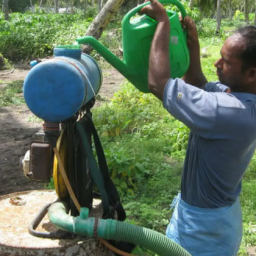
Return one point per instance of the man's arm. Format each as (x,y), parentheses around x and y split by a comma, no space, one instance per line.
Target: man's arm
(194,75)
(159,62)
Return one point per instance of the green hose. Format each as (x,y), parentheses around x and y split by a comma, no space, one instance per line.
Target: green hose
(113,230)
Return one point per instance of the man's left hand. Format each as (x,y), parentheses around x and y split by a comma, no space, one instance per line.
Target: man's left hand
(155,10)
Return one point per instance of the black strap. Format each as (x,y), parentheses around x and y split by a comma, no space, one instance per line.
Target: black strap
(83,180)
(100,173)
(93,166)
(113,195)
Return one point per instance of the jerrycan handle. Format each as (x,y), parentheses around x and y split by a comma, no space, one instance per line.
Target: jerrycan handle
(131,13)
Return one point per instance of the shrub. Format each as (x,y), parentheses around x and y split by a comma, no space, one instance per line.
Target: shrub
(4,63)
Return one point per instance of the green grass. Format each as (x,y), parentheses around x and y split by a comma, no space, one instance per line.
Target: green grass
(4,63)
(34,119)
(152,205)
(12,94)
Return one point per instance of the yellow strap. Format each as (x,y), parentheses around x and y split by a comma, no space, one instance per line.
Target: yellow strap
(65,178)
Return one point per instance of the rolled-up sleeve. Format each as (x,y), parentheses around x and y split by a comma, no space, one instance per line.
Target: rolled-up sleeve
(195,107)
(215,87)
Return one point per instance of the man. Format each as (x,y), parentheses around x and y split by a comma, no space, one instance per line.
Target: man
(207,218)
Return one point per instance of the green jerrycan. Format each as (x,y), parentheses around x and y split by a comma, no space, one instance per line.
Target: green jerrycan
(137,35)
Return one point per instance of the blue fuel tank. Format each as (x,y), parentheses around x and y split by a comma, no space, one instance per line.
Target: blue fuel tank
(56,89)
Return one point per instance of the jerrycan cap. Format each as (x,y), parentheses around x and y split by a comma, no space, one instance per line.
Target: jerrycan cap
(72,51)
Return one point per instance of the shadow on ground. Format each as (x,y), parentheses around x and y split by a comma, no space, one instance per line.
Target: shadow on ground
(16,133)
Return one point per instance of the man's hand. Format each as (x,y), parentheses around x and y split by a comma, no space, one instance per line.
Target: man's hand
(159,62)
(155,10)
(194,74)
(190,26)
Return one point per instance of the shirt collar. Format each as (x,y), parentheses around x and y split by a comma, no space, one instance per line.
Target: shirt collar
(244,96)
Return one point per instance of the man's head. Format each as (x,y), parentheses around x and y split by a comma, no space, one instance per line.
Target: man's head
(237,66)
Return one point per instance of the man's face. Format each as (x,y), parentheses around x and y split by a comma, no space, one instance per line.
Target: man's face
(229,66)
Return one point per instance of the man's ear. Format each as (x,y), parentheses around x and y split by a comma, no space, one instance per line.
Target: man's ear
(252,74)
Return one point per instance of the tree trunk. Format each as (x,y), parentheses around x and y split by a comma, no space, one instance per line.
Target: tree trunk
(99,5)
(255,15)
(246,14)
(101,21)
(40,4)
(200,6)
(31,6)
(191,4)
(85,7)
(230,9)
(102,4)
(72,6)
(218,16)
(6,10)
(49,3)
(66,6)
(56,3)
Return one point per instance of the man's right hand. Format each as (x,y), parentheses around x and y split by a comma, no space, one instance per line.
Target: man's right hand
(194,74)
(192,35)
(155,10)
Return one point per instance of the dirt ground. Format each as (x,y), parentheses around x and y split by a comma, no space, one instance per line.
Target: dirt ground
(251,251)
(18,127)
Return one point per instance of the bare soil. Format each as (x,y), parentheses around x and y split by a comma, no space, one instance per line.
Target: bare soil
(251,251)
(18,127)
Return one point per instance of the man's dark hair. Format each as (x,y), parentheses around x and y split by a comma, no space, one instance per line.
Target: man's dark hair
(248,52)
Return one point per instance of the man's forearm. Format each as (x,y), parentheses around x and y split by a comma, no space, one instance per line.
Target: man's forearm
(194,75)
(159,61)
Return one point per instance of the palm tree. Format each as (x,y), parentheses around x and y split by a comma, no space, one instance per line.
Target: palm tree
(56,3)
(255,15)
(246,15)
(85,7)
(99,5)
(229,9)
(6,9)
(41,1)
(207,5)
(191,3)
(72,6)
(218,16)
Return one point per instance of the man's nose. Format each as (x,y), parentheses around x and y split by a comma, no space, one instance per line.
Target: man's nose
(217,63)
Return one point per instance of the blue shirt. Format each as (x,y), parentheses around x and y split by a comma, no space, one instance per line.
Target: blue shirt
(221,143)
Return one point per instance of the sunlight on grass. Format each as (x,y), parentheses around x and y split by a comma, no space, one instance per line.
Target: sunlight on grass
(11,94)
(34,119)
